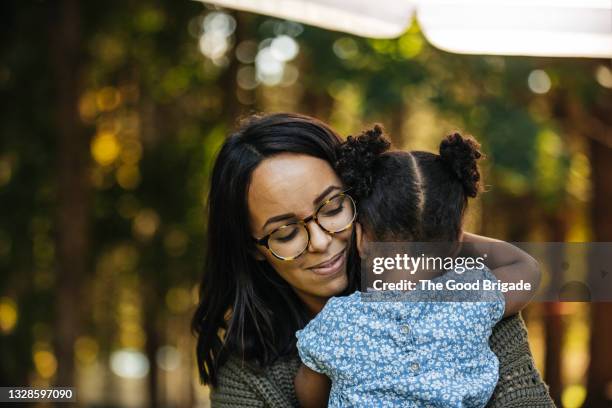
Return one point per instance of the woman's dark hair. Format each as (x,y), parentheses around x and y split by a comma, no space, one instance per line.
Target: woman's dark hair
(245,306)
(416,196)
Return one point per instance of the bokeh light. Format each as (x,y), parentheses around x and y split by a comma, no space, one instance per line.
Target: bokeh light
(168,358)
(108,98)
(129,363)
(178,299)
(573,396)
(603,74)
(246,51)
(8,315)
(539,81)
(86,350)
(128,176)
(269,68)
(215,40)
(345,48)
(44,359)
(284,48)
(176,242)
(145,224)
(105,148)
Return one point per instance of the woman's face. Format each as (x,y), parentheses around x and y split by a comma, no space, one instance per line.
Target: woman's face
(288,187)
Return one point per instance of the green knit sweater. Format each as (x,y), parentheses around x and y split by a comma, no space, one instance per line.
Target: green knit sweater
(519,385)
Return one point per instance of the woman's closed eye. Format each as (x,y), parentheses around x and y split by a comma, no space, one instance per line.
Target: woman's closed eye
(332,211)
(286,234)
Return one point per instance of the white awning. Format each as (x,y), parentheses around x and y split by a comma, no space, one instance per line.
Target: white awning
(564,28)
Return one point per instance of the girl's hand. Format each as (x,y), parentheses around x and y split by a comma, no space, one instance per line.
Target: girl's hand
(509,264)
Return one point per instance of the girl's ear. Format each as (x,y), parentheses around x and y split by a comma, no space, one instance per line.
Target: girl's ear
(361,240)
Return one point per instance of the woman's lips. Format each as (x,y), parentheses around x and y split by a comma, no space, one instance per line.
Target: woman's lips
(330,267)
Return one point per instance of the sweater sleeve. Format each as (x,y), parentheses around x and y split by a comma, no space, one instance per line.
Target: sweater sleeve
(520,383)
(241,386)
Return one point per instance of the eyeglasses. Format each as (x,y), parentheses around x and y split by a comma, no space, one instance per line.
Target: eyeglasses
(291,240)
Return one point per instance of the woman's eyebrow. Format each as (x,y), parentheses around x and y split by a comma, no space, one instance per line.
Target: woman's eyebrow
(277,218)
(321,196)
(316,201)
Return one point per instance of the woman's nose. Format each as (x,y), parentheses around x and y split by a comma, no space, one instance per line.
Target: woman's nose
(319,238)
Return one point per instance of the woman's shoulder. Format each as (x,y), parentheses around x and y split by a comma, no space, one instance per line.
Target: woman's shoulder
(243,384)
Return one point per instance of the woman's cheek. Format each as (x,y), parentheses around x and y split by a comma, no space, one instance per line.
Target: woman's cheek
(288,270)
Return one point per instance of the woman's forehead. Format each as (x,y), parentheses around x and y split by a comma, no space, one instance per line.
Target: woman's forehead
(288,183)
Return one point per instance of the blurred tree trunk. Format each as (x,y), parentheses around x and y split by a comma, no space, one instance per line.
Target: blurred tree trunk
(72,187)
(396,125)
(594,123)
(553,327)
(233,110)
(152,316)
(500,214)
(557,228)
(600,367)
(153,118)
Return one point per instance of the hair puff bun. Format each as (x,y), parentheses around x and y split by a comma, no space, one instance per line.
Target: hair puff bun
(460,155)
(357,157)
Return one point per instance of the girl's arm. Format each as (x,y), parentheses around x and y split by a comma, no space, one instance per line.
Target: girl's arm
(509,264)
(311,388)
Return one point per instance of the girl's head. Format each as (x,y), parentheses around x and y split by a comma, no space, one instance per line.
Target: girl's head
(274,171)
(410,196)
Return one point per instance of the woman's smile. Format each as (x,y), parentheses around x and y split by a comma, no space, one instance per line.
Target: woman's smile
(331,266)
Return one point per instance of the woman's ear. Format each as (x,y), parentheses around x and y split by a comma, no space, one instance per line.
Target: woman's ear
(361,240)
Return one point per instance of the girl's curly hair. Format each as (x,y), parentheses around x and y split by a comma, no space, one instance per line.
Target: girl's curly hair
(384,183)
(410,195)
(460,155)
(357,158)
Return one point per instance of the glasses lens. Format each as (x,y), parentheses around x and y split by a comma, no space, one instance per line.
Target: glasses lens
(289,241)
(337,214)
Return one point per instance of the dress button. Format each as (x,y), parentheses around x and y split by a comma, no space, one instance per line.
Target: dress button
(414,367)
(405,329)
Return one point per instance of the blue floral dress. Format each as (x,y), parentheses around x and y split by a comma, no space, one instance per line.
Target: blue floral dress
(388,353)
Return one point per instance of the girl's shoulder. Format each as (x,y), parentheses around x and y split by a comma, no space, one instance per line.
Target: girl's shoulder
(339,305)
(336,309)
(340,318)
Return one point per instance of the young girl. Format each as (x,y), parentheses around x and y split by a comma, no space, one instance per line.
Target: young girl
(410,354)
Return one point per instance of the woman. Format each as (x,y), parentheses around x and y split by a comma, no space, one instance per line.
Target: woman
(273,179)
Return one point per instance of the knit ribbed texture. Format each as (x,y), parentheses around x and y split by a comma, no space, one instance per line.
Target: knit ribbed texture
(240,385)
(519,385)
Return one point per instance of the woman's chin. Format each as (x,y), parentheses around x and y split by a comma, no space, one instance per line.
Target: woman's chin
(324,290)
(335,286)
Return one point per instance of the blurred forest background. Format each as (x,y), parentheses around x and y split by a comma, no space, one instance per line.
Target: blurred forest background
(111,114)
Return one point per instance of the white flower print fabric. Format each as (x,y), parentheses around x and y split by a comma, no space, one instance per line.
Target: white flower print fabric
(389,353)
